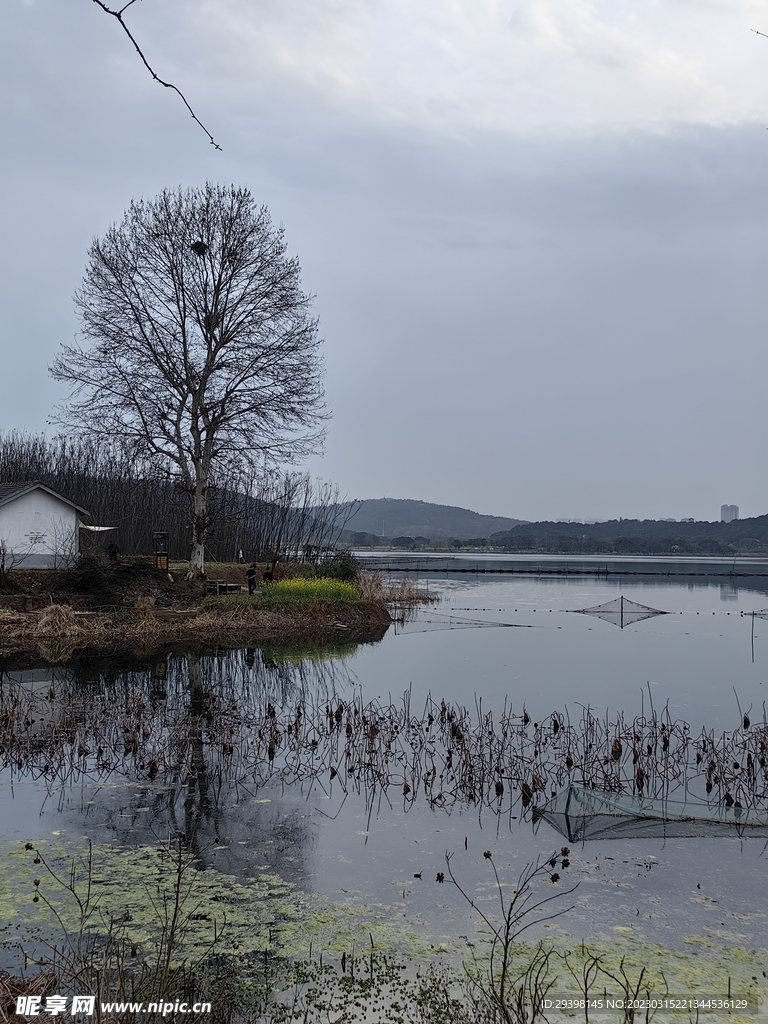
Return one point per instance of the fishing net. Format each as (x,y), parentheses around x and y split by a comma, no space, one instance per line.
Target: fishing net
(579,814)
(621,612)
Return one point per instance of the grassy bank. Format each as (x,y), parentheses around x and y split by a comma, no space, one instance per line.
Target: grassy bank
(132,604)
(291,610)
(290,593)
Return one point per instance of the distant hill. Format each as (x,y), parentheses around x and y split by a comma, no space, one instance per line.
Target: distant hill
(398,517)
(638,536)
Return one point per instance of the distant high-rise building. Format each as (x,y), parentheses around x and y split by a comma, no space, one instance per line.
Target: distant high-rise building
(728,513)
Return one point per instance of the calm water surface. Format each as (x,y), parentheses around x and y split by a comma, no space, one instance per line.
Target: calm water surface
(498,640)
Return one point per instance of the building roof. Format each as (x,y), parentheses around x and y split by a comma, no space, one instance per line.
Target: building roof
(10,492)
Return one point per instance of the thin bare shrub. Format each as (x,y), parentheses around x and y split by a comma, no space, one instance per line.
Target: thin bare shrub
(371,585)
(516,989)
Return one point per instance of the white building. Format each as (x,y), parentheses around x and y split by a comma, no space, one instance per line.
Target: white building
(728,513)
(39,529)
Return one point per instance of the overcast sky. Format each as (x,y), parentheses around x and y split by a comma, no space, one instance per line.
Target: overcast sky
(537,230)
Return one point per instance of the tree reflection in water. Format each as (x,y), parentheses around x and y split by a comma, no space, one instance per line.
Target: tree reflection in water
(174,726)
(200,737)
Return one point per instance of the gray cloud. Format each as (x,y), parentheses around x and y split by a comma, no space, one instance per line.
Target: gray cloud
(530,323)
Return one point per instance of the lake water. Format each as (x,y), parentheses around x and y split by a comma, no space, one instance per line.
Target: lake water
(491,641)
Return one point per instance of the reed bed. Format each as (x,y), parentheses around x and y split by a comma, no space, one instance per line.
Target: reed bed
(443,754)
(450,756)
(376,586)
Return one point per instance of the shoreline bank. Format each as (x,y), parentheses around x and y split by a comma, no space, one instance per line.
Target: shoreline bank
(58,630)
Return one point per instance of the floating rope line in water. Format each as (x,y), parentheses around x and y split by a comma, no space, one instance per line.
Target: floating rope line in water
(448,621)
(460,608)
(611,612)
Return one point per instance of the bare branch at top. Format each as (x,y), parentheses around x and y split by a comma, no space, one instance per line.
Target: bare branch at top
(118,14)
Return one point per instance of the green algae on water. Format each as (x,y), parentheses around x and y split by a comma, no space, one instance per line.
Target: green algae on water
(134,890)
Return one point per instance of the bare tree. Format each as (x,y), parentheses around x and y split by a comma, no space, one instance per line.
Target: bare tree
(204,354)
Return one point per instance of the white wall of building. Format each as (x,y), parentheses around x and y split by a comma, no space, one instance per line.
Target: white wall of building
(39,531)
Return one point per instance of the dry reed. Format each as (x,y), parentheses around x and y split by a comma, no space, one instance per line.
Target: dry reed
(12,987)
(444,755)
(56,619)
(58,628)
(375,586)
(144,607)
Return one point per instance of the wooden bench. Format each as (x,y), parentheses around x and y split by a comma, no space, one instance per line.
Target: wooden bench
(222,587)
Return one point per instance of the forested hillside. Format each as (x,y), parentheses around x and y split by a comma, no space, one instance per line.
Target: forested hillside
(393,517)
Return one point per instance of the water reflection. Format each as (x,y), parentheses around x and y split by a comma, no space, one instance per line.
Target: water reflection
(200,747)
(159,749)
(211,746)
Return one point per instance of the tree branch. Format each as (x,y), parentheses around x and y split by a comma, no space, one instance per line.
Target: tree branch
(168,85)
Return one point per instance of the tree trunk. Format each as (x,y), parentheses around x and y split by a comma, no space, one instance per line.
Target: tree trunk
(197,561)
(199,532)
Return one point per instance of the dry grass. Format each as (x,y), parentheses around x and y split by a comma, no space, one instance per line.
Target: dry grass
(57,620)
(11,987)
(374,586)
(10,619)
(144,607)
(57,631)
(361,620)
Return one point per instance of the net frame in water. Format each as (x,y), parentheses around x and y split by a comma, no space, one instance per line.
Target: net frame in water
(580,814)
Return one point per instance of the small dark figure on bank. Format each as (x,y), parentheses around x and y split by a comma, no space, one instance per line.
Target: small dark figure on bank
(250,575)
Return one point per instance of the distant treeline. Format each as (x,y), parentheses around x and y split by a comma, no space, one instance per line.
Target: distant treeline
(637,537)
(618,536)
(268,517)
